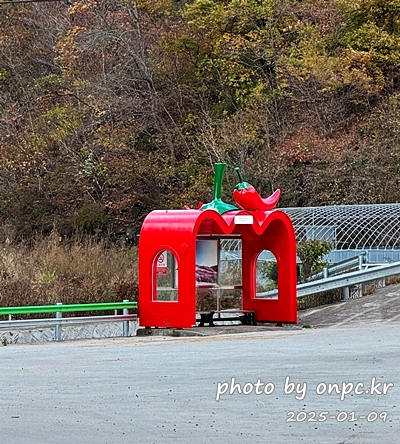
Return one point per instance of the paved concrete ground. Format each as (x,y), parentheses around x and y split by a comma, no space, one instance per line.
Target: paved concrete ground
(163,390)
(382,307)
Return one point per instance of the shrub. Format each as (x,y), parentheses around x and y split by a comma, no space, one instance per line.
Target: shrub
(311,253)
(91,217)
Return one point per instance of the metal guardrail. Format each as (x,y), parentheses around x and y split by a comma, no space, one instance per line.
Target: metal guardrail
(59,307)
(59,321)
(340,267)
(21,323)
(344,281)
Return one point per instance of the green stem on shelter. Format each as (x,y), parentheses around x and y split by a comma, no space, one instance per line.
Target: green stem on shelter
(217,204)
(219,171)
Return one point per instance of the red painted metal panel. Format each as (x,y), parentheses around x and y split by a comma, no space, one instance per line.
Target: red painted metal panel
(177,231)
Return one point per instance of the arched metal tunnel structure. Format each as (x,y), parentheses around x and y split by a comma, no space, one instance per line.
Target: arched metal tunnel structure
(351,229)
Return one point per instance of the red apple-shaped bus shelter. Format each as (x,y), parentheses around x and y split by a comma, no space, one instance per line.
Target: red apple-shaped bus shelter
(178,230)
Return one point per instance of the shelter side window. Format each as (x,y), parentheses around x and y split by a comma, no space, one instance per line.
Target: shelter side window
(266,275)
(166,271)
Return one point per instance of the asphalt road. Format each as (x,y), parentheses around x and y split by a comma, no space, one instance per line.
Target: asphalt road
(163,390)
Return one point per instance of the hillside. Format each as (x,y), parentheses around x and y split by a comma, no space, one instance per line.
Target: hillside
(110,109)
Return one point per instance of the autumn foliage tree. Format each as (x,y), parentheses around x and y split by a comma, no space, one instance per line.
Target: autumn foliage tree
(110,109)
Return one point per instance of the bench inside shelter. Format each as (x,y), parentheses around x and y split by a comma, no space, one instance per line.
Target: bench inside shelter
(246,317)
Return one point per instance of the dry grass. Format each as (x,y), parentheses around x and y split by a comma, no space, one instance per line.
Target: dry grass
(76,273)
(391,280)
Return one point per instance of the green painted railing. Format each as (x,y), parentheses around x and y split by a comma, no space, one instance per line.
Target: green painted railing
(60,308)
